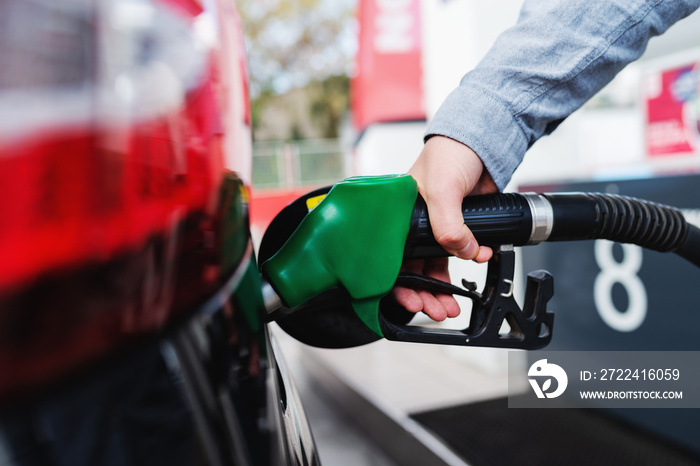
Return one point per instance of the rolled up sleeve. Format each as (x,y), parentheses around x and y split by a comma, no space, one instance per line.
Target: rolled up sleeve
(557,56)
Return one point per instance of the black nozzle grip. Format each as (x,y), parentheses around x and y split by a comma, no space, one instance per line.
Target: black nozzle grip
(495,219)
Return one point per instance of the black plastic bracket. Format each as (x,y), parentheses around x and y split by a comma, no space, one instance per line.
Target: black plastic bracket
(529,327)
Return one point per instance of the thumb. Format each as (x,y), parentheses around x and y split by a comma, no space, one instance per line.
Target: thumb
(446,221)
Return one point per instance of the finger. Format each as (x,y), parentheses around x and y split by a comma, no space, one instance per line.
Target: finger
(438,268)
(436,307)
(432,306)
(449,229)
(485,254)
(449,303)
(408,298)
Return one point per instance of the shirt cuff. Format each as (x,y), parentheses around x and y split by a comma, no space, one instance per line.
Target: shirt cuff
(485,124)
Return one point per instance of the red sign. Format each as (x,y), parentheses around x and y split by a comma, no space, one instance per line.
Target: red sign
(388,84)
(673,112)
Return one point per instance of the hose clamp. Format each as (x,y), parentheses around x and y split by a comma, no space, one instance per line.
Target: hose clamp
(542,217)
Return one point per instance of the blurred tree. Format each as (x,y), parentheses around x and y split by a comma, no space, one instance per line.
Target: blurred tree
(300,43)
(329,101)
(293,42)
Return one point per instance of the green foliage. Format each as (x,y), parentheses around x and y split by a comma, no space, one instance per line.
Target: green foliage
(258,104)
(328,103)
(295,44)
(292,42)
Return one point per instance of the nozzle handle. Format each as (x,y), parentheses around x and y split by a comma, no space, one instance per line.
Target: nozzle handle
(495,219)
(529,218)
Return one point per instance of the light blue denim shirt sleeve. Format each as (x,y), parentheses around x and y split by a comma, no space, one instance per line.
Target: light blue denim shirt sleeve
(557,56)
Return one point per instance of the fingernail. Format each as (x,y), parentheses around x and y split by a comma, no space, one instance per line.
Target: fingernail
(470,251)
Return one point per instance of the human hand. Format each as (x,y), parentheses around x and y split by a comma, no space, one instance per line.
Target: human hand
(446,172)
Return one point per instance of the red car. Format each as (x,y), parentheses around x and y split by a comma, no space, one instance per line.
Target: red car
(129,295)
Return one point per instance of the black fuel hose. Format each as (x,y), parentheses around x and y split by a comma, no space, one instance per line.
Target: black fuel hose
(521,219)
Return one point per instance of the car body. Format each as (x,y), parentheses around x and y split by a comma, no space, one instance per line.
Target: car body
(130,303)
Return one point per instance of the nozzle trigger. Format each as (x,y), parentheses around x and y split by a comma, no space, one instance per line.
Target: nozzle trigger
(530,327)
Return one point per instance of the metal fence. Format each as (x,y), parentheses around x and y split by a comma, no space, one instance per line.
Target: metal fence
(311,162)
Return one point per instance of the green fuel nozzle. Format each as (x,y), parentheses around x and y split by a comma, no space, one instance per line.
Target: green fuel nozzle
(353,239)
(334,255)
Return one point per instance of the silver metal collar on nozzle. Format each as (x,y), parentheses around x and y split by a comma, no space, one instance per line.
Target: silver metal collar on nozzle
(542,217)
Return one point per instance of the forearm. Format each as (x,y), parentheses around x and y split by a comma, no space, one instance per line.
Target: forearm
(558,55)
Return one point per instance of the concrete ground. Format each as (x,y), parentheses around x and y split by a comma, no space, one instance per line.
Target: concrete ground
(339,439)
